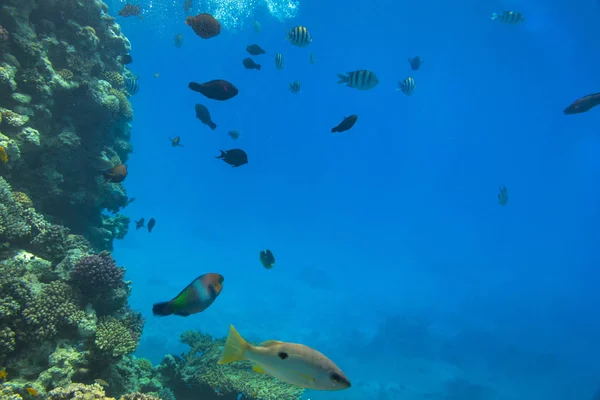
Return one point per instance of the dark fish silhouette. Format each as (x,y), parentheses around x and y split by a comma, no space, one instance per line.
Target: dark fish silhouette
(204,25)
(415,63)
(195,298)
(130,10)
(583,104)
(346,124)
(116,174)
(151,224)
(139,224)
(235,157)
(255,50)
(250,64)
(267,258)
(203,115)
(126,59)
(217,89)
(175,142)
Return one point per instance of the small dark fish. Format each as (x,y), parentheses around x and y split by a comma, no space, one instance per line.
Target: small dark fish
(503,196)
(235,157)
(361,79)
(299,36)
(255,50)
(195,298)
(178,40)
(279,61)
(175,142)
(294,87)
(250,64)
(346,124)
(126,59)
(130,10)
(203,115)
(234,135)
(509,17)
(217,89)
(187,6)
(204,25)
(116,174)
(267,258)
(151,224)
(139,224)
(132,86)
(583,104)
(130,200)
(407,86)
(415,63)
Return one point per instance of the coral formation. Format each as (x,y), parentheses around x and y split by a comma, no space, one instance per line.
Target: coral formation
(64,114)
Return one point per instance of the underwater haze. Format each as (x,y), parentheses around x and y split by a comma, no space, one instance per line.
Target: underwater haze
(393,255)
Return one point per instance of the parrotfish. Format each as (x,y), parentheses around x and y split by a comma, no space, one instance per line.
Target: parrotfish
(195,298)
(346,124)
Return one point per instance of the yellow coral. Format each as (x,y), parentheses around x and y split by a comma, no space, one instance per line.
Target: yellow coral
(115,79)
(23,199)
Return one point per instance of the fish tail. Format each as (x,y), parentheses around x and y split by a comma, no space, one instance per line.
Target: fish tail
(258,67)
(223,154)
(163,309)
(196,87)
(342,78)
(212,125)
(334,130)
(235,347)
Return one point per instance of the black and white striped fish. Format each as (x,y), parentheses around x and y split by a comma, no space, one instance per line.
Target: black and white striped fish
(361,79)
(407,86)
(132,86)
(279,61)
(295,87)
(509,17)
(299,36)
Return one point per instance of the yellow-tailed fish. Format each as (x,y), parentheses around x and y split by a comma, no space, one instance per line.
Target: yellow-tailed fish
(296,364)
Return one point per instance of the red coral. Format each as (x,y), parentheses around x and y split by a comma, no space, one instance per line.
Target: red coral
(205,25)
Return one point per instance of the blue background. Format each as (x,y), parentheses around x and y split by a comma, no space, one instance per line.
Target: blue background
(393,255)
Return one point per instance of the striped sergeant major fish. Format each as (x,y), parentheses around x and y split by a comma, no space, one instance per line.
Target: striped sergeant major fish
(407,86)
(295,87)
(132,86)
(361,79)
(299,36)
(279,61)
(509,17)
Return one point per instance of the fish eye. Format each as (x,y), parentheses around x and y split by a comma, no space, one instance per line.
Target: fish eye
(335,377)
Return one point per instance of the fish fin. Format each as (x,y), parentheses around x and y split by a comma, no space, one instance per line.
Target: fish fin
(342,78)
(235,347)
(222,155)
(163,309)
(183,314)
(268,343)
(258,369)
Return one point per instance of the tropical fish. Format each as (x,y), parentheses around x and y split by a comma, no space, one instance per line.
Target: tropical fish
(312,58)
(255,50)
(267,258)
(217,89)
(234,135)
(361,79)
(32,392)
(234,157)
(299,36)
(130,10)
(116,174)
(195,298)
(415,63)
(175,142)
(256,26)
(508,17)
(3,155)
(407,86)
(132,85)
(250,64)
(101,382)
(293,363)
(203,115)
(279,61)
(151,224)
(503,196)
(583,104)
(204,25)
(346,124)
(294,87)
(139,224)
(178,40)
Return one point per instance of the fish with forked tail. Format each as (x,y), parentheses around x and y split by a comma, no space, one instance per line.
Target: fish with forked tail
(234,157)
(195,298)
(139,224)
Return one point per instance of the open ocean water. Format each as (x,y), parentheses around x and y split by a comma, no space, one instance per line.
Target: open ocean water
(393,255)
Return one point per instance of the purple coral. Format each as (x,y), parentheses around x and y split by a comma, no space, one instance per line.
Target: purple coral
(98,273)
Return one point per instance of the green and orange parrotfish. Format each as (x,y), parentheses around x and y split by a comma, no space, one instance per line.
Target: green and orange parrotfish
(195,298)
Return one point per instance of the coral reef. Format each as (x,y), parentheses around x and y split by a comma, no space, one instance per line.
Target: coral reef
(64,113)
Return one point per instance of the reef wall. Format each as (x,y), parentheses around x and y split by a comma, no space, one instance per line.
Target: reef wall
(64,112)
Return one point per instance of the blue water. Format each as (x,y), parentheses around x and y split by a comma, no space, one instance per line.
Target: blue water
(393,255)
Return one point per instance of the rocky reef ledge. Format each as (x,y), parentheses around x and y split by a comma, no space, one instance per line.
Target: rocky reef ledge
(65,113)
